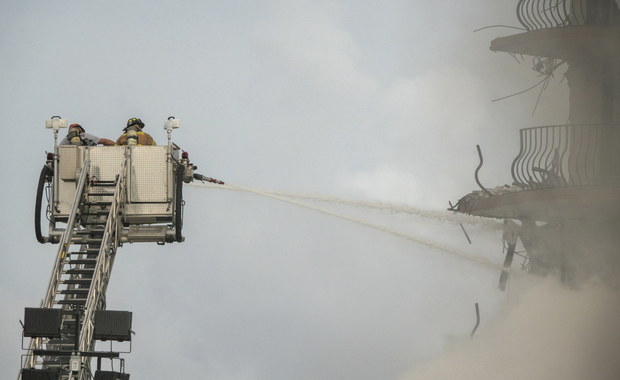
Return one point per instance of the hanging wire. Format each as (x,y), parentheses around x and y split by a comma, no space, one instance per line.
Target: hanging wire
(500,26)
(513,55)
(520,92)
(542,88)
(545,67)
(525,265)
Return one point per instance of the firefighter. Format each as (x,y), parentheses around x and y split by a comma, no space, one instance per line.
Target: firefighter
(78,136)
(133,135)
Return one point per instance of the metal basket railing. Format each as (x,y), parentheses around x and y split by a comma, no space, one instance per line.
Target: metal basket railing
(541,14)
(565,155)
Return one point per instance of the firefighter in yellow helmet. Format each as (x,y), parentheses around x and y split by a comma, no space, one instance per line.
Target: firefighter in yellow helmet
(133,135)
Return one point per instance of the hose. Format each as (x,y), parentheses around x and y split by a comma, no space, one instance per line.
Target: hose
(45,172)
(203,178)
(178,217)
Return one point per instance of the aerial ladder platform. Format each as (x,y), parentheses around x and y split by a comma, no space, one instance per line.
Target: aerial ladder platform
(99,198)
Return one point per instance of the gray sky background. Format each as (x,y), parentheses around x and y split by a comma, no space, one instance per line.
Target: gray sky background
(358,99)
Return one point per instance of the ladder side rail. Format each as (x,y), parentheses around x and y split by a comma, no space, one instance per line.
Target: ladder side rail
(48,301)
(55,191)
(65,240)
(103,269)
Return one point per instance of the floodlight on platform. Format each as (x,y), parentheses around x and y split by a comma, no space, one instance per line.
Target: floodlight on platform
(111,375)
(40,374)
(112,325)
(56,123)
(42,322)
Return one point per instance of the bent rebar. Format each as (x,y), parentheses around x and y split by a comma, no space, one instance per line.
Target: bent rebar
(478,169)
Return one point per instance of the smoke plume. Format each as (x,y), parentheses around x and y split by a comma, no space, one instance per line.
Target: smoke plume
(546,331)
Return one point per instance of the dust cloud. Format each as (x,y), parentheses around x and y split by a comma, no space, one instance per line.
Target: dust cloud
(545,331)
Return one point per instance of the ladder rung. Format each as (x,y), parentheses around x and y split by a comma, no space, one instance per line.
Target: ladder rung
(99,227)
(90,231)
(75,301)
(83,261)
(61,345)
(89,256)
(60,342)
(80,271)
(88,250)
(74,291)
(90,241)
(77,282)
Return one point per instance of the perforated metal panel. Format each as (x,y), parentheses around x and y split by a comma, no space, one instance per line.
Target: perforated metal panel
(149,182)
(146,233)
(66,190)
(69,162)
(149,174)
(105,162)
(136,209)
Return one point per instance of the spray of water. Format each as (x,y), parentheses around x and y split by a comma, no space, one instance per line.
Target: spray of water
(416,239)
(442,216)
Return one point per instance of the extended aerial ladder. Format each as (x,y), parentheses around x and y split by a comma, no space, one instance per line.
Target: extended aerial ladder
(98,199)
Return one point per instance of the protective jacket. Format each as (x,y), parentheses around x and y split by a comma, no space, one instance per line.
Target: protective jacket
(86,139)
(143,139)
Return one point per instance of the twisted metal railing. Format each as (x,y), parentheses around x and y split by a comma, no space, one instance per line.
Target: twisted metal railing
(564,155)
(541,14)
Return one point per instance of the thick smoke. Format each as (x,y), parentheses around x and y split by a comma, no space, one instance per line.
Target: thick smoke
(546,331)
(561,323)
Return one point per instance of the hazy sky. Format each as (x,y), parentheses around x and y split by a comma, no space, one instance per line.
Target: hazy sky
(359,99)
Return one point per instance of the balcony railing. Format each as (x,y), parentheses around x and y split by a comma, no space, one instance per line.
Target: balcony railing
(567,155)
(541,14)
